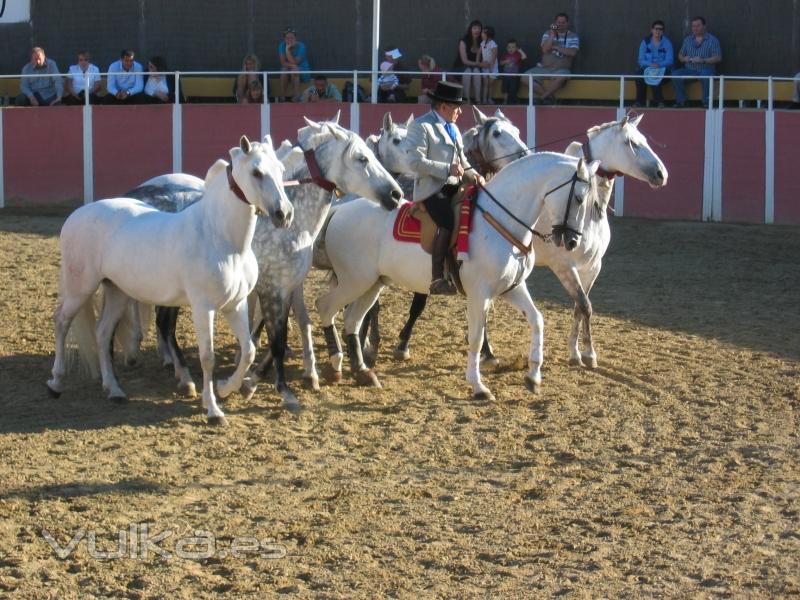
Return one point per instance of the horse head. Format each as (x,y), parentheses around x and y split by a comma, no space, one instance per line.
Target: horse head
(493,143)
(346,161)
(389,145)
(568,202)
(622,148)
(258,174)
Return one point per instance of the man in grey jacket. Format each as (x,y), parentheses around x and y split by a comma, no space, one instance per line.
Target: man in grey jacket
(41,90)
(438,159)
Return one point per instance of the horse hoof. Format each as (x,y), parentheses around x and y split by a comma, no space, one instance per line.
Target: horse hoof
(187,390)
(118,399)
(331,375)
(218,421)
(402,354)
(575,361)
(533,386)
(485,395)
(311,383)
(53,393)
(590,362)
(367,378)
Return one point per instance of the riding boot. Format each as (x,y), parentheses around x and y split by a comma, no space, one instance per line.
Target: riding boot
(439,284)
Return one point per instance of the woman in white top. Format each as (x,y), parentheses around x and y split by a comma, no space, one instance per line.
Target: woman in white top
(77,79)
(156,88)
(489,66)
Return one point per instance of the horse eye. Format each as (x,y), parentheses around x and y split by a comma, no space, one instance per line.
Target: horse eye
(396,141)
(496,134)
(363,160)
(257,174)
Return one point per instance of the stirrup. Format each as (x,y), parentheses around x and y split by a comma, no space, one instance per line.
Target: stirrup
(442,287)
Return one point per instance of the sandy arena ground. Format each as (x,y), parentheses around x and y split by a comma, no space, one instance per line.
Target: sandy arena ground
(673,470)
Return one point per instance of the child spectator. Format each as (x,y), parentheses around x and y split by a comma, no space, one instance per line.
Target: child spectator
(511,62)
(427,65)
(488,63)
(388,83)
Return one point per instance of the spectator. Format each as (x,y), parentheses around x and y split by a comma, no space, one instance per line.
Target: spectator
(488,63)
(511,62)
(321,91)
(389,89)
(43,89)
(157,88)
(79,74)
(655,59)
(700,53)
(426,64)
(469,59)
(559,47)
(294,64)
(255,93)
(250,73)
(125,80)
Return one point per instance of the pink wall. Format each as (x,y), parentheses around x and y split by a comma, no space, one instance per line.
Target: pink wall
(787,184)
(287,118)
(210,130)
(131,145)
(43,151)
(743,166)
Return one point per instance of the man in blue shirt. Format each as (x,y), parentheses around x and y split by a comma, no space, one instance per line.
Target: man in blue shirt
(699,53)
(125,80)
(45,87)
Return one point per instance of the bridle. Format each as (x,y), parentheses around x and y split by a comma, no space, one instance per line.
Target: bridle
(476,156)
(234,187)
(316,178)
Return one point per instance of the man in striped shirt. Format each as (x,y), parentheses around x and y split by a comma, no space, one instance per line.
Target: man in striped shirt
(700,53)
(559,47)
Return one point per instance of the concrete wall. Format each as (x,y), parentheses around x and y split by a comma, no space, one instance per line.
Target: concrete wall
(758,38)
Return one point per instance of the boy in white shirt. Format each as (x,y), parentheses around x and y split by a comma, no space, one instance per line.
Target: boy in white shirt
(488,63)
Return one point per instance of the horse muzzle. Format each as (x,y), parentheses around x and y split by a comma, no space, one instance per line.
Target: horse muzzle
(392,200)
(568,238)
(281,219)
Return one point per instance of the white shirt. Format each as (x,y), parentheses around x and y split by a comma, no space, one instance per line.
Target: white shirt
(156,84)
(78,77)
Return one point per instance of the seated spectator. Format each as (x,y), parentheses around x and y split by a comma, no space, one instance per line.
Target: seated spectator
(125,80)
(250,72)
(427,65)
(489,64)
(321,91)
(469,61)
(157,88)
(389,88)
(655,60)
(700,53)
(510,63)
(559,47)
(82,75)
(42,89)
(294,65)
(255,93)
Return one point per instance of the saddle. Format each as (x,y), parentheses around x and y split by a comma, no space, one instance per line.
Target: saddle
(427,227)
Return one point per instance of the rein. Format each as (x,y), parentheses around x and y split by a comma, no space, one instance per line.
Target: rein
(237,191)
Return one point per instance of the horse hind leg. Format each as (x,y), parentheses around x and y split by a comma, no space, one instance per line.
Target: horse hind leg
(114,306)
(77,311)
(166,321)
(401,351)
(353,317)
(370,335)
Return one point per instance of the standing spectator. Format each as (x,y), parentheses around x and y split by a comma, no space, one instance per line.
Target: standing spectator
(321,91)
(292,54)
(249,74)
(559,47)
(469,58)
(80,75)
(156,88)
(488,63)
(511,62)
(125,80)
(389,89)
(42,89)
(700,53)
(428,66)
(655,59)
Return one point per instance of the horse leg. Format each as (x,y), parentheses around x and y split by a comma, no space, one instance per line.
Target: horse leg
(114,305)
(477,308)
(67,310)
(520,297)
(370,335)
(571,281)
(237,319)
(203,318)
(166,322)
(310,376)
(277,332)
(353,317)
(487,354)
(401,351)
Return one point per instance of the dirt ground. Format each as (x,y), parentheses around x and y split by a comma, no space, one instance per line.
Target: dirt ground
(672,470)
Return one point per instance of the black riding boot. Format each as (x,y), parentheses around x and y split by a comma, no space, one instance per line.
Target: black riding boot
(440,285)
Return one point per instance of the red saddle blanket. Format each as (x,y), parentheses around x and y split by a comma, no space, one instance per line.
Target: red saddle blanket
(409,229)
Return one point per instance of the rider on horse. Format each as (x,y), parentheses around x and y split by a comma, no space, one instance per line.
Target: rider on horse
(438,159)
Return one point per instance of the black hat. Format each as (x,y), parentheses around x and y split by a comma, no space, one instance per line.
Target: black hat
(447,91)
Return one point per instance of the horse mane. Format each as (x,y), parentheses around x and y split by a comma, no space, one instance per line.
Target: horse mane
(310,137)
(293,161)
(214,170)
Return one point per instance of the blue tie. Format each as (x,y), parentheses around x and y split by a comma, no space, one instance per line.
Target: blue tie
(451,131)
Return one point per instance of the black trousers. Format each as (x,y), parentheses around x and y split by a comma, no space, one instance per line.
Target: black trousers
(439,208)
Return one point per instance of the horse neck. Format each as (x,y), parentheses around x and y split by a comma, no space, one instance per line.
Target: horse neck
(225,216)
(311,202)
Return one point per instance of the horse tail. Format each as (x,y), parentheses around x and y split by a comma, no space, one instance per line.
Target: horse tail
(130,329)
(81,342)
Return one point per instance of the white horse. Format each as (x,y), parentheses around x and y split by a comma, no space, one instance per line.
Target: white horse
(549,186)
(200,257)
(622,150)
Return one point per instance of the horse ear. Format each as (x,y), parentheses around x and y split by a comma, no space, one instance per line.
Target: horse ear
(586,170)
(499,114)
(388,124)
(337,133)
(244,144)
(313,124)
(480,118)
(410,120)
(267,141)
(623,121)
(372,141)
(635,120)
(336,117)
(574,149)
